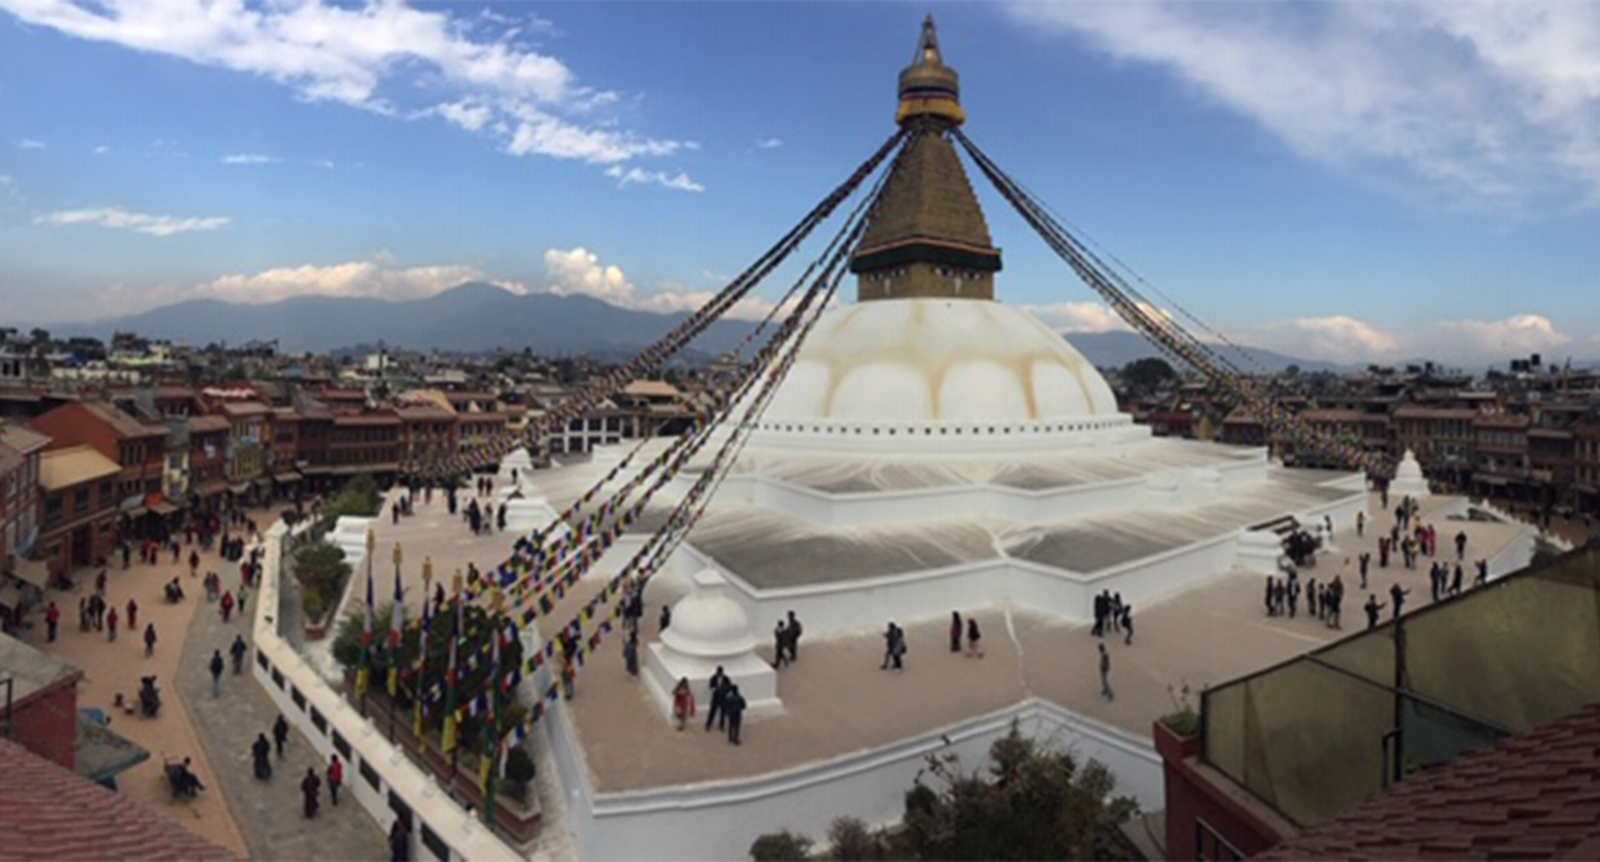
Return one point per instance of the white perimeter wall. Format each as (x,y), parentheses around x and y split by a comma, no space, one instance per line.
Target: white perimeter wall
(282,672)
(720,820)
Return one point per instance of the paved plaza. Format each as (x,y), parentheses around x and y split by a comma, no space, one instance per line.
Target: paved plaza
(838,702)
(252,819)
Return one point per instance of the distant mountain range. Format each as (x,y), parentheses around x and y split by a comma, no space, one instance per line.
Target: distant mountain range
(479,317)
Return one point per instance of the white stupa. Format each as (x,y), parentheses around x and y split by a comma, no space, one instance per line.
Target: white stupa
(1408,479)
(709,630)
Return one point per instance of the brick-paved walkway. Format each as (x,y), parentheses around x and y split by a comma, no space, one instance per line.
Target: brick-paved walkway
(268,814)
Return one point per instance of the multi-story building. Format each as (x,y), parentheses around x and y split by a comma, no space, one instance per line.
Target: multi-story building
(313,445)
(475,431)
(1442,438)
(1501,451)
(365,443)
(249,436)
(1586,463)
(427,432)
(79,486)
(208,458)
(20,452)
(138,447)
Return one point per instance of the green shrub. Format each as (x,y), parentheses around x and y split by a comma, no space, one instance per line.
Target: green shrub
(1184,722)
(322,572)
(519,771)
(782,846)
(850,840)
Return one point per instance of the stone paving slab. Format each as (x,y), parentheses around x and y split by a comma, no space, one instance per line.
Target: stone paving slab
(268,813)
(113,668)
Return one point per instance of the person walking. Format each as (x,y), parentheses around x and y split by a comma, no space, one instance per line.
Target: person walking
(1361,524)
(792,637)
(149,639)
(194,564)
(227,606)
(734,707)
(261,753)
(780,641)
(335,779)
(630,653)
(239,650)
(683,702)
(1105,673)
(955,631)
(280,734)
(111,625)
(133,615)
(308,788)
(400,836)
(1127,625)
(52,618)
(216,673)
(1366,563)
(974,639)
(894,648)
(719,691)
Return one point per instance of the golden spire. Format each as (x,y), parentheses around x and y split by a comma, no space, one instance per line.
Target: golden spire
(929,88)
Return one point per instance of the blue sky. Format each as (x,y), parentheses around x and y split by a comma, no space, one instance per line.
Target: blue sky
(1343,180)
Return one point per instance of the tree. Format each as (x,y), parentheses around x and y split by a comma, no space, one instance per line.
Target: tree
(1034,803)
(322,571)
(782,846)
(1147,375)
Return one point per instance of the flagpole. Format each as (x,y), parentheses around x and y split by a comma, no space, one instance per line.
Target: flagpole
(366,636)
(396,621)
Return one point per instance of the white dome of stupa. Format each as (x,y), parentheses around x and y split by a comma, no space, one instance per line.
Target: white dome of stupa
(1408,478)
(709,623)
(938,361)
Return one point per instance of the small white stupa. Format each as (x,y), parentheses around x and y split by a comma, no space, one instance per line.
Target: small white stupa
(525,510)
(710,629)
(1408,479)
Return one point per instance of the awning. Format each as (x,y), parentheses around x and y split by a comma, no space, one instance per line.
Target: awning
(164,508)
(136,512)
(32,571)
(215,486)
(239,487)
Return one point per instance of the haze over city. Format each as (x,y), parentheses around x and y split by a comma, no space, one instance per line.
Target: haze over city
(1345,181)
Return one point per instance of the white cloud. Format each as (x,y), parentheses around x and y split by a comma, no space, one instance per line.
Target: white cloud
(1491,102)
(30,144)
(371,279)
(354,279)
(325,164)
(248,159)
(8,188)
(768,143)
(370,54)
(101,150)
(1519,333)
(539,132)
(679,181)
(117,218)
(1080,317)
(578,271)
(466,113)
(1338,337)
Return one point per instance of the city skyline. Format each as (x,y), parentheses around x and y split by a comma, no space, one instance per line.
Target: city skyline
(1411,180)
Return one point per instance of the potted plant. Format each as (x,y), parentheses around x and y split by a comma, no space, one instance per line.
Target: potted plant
(1177,734)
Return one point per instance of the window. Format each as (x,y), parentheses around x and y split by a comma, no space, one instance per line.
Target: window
(261,659)
(342,744)
(435,845)
(370,774)
(401,810)
(298,697)
(318,720)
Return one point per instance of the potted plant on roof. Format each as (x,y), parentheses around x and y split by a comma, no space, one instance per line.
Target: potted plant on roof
(1177,734)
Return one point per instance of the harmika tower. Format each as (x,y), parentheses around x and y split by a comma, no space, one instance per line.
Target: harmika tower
(928,239)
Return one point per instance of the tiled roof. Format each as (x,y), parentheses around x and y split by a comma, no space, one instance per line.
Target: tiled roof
(1533,796)
(74,465)
(47,812)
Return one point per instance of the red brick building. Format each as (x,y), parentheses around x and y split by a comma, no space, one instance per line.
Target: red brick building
(208,457)
(427,433)
(138,448)
(79,487)
(44,700)
(20,508)
(365,443)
